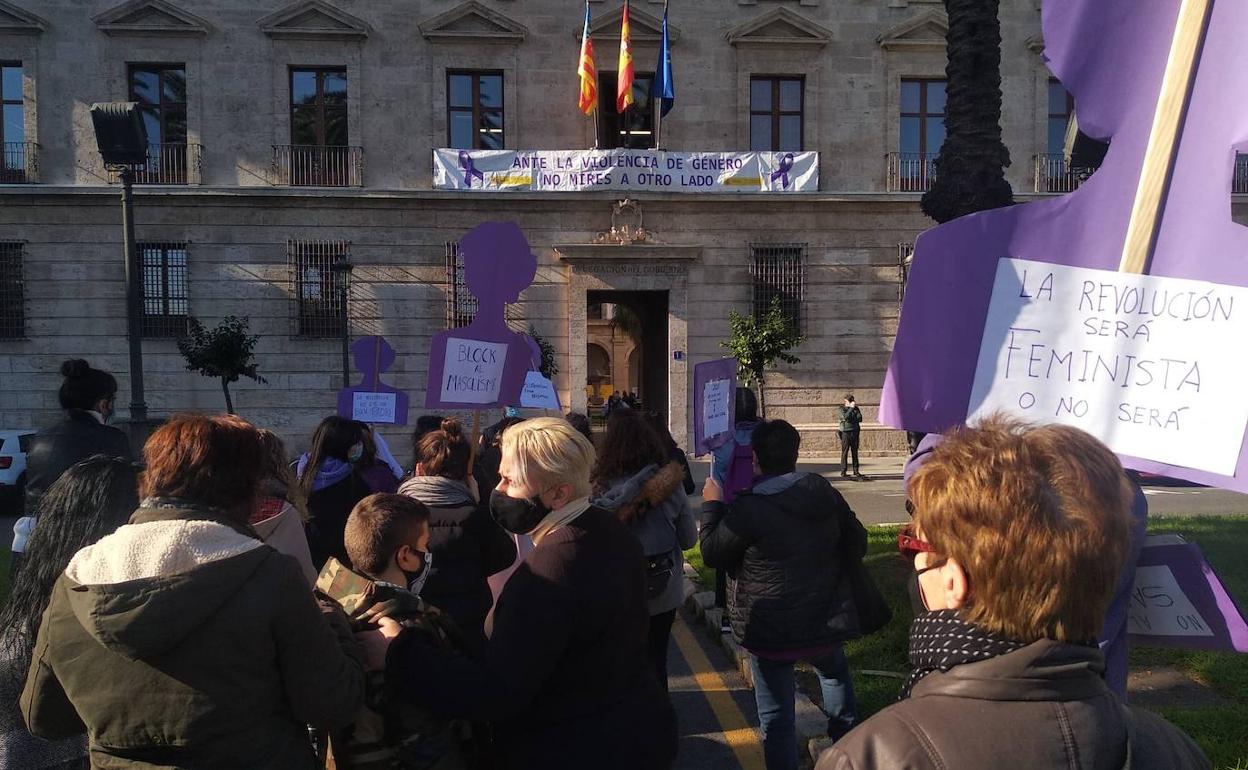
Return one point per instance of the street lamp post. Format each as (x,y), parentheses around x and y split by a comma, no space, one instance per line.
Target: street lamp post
(342,267)
(122,141)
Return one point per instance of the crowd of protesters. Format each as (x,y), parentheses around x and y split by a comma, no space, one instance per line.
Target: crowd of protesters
(510,604)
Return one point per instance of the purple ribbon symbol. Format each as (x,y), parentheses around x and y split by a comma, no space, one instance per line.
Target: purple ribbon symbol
(470,169)
(786,165)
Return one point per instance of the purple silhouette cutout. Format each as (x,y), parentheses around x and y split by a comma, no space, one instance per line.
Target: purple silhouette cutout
(372,356)
(484,363)
(1090,44)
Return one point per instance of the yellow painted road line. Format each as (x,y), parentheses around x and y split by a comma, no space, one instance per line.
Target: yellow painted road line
(741,738)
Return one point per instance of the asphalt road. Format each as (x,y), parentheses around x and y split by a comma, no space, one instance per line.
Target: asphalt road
(880,500)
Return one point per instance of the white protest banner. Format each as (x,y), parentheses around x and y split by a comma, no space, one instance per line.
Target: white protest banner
(626,170)
(716,397)
(538,393)
(1138,361)
(473,371)
(1159,607)
(373,407)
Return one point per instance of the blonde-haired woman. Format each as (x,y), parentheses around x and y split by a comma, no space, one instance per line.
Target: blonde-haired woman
(565,678)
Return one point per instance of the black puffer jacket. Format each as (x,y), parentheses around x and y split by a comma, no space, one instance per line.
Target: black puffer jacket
(783,544)
(467,547)
(54,449)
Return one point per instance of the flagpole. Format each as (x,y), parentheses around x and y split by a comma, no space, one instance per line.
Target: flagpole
(658,115)
(658,123)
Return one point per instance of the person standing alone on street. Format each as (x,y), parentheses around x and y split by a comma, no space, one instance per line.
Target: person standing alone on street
(851,419)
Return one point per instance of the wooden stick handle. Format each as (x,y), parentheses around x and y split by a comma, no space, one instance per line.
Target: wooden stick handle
(1150,196)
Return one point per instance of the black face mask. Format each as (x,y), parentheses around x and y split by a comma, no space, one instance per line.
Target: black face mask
(416,580)
(518,516)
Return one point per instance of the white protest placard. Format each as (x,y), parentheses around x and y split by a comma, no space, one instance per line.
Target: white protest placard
(1160,608)
(1141,362)
(716,397)
(473,371)
(373,407)
(538,393)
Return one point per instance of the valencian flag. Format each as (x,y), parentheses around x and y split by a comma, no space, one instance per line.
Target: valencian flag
(663,88)
(586,71)
(624,91)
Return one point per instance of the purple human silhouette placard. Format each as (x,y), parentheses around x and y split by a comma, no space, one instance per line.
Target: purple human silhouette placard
(950,330)
(714,403)
(373,400)
(1178,601)
(484,364)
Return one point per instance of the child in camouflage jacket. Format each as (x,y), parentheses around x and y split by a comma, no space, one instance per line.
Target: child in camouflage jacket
(386,537)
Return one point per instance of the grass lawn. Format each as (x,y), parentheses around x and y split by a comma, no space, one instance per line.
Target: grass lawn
(1222,731)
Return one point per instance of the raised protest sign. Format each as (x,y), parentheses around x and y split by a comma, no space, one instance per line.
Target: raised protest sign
(714,402)
(539,393)
(1177,600)
(373,400)
(1134,359)
(1159,204)
(625,170)
(473,371)
(485,363)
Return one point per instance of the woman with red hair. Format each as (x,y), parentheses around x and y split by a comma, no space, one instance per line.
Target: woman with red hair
(181,640)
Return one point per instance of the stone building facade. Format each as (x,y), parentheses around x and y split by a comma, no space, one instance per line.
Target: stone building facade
(231,218)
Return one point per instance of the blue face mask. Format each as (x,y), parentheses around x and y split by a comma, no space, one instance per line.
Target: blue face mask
(355,453)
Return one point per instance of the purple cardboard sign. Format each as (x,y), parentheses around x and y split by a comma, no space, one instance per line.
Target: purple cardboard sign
(1178,601)
(373,400)
(484,364)
(714,402)
(1089,44)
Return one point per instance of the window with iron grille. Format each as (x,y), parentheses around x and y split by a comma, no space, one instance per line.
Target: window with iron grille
(319,290)
(461,305)
(778,271)
(166,298)
(12,291)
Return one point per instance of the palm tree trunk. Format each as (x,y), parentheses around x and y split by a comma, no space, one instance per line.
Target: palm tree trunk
(229,403)
(970,170)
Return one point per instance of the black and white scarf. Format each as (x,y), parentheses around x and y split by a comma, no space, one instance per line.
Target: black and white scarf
(940,640)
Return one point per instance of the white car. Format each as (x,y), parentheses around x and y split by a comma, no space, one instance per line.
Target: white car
(13,447)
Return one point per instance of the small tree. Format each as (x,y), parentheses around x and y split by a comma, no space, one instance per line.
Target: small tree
(758,342)
(548,367)
(226,352)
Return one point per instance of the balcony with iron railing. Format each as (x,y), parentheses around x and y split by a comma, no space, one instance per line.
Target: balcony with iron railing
(910,171)
(169,163)
(1054,174)
(307,165)
(1239,182)
(19,163)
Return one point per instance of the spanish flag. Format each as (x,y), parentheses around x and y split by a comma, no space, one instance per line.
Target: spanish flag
(624,91)
(586,71)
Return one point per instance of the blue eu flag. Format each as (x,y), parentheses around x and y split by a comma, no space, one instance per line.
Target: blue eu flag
(662,87)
